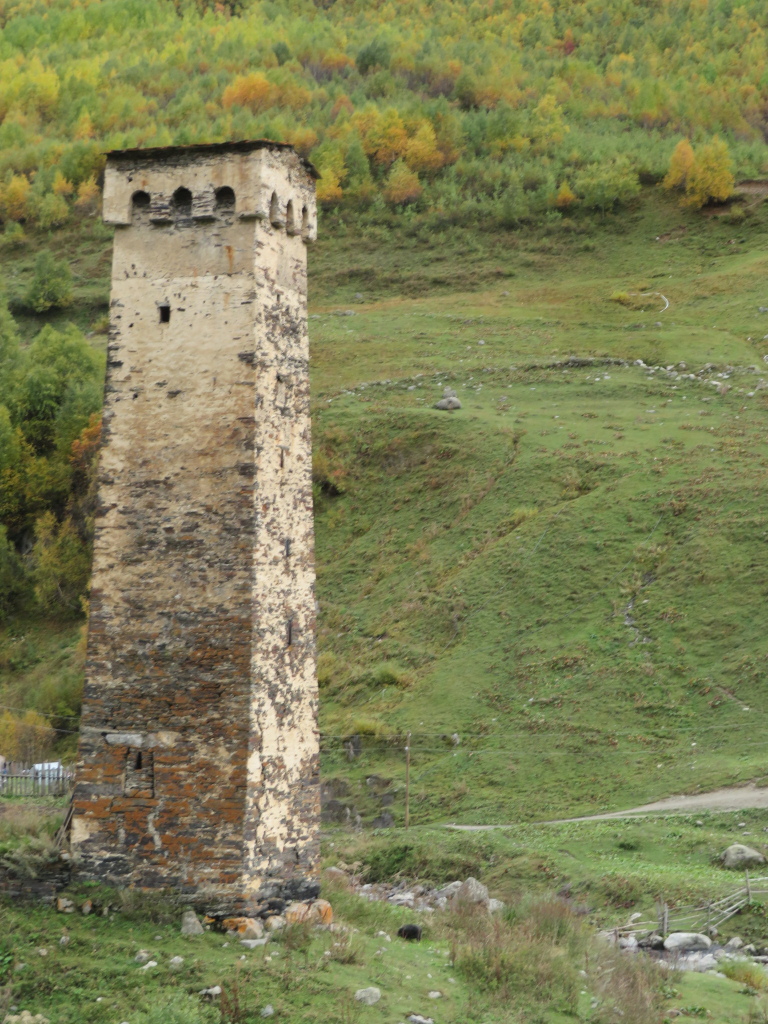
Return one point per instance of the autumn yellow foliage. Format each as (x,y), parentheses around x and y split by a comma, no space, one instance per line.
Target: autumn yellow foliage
(703,176)
(14,197)
(680,165)
(403,185)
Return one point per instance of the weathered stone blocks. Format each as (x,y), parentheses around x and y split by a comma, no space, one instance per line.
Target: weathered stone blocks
(198,749)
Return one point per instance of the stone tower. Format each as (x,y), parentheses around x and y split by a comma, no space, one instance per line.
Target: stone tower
(198,760)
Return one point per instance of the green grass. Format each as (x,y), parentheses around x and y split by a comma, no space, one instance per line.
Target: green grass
(477,570)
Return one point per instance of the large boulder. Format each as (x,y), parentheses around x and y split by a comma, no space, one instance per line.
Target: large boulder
(472,891)
(738,857)
(368,996)
(678,941)
(190,925)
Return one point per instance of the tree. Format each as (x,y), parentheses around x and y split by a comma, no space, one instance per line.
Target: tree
(373,56)
(402,185)
(254,91)
(566,197)
(14,196)
(603,186)
(13,586)
(680,164)
(51,285)
(422,153)
(61,567)
(51,211)
(328,190)
(711,176)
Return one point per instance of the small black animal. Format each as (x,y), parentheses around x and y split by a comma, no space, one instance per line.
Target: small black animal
(410,932)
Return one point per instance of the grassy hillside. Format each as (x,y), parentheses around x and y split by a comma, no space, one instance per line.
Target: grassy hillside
(567,571)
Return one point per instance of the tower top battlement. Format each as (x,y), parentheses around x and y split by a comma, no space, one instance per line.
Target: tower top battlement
(263,180)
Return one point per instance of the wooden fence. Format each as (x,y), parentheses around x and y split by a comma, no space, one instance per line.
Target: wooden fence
(701,917)
(35,780)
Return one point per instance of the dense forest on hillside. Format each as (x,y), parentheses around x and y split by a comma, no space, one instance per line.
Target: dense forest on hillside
(501,108)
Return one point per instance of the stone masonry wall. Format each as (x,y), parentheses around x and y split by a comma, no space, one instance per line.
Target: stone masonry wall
(198,750)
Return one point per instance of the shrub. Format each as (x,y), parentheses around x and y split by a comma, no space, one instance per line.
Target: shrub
(680,164)
(375,55)
(403,185)
(711,176)
(51,285)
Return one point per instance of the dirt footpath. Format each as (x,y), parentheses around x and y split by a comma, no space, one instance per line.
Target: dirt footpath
(737,798)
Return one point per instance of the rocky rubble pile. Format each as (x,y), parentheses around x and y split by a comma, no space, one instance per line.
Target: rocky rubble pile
(424,898)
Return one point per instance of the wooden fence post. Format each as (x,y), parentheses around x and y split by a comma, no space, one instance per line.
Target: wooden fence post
(749,888)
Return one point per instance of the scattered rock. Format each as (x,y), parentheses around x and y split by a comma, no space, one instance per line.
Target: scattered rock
(384,820)
(686,941)
(448,404)
(735,942)
(628,942)
(210,994)
(495,906)
(190,925)
(149,964)
(175,963)
(449,891)
(42,951)
(368,996)
(268,1011)
(334,812)
(750,949)
(142,956)
(254,943)
(434,995)
(64,906)
(243,927)
(311,911)
(64,940)
(472,891)
(416,1018)
(274,923)
(86,908)
(25,1017)
(738,856)
(336,875)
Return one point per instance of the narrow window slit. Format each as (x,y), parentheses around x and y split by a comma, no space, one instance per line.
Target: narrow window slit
(289,632)
(287,547)
(165,313)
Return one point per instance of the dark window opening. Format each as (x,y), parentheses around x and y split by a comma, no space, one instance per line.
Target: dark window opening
(305,222)
(139,779)
(274,211)
(290,219)
(289,632)
(165,313)
(287,547)
(282,458)
(182,202)
(140,201)
(225,199)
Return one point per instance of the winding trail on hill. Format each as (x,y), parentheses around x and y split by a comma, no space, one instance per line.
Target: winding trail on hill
(736,798)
